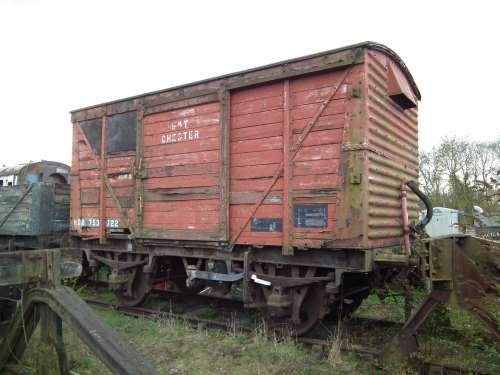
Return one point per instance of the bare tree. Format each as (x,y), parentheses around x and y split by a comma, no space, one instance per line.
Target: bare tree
(460,173)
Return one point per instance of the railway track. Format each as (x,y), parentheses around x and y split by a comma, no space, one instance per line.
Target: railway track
(141,312)
(316,344)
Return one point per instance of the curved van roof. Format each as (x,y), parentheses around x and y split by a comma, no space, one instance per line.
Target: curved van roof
(364,45)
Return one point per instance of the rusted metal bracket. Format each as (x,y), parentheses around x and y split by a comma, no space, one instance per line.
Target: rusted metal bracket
(404,216)
(406,341)
(139,172)
(119,265)
(460,273)
(212,276)
(123,215)
(293,152)
(290,282)
(247,260)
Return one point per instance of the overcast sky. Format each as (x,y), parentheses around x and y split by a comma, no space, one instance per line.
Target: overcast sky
(56,56)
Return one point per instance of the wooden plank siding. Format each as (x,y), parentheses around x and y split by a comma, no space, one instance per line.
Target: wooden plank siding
(206,152)
(257,151)
(182,150)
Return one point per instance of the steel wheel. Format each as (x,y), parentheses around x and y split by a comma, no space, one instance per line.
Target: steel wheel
(309,314)
(140,288)
(310,311)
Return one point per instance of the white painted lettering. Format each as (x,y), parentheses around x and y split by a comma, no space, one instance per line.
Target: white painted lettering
(187,135)
(180,124)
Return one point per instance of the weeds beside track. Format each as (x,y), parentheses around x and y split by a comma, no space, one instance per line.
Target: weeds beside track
(324,343)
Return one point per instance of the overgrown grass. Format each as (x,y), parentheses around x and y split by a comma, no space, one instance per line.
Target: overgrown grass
(451,336)
(175,348)
(104,295)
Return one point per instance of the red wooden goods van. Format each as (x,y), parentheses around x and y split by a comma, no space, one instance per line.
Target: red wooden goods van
(305,156)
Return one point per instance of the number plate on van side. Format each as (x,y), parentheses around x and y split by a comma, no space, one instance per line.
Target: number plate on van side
(94,222)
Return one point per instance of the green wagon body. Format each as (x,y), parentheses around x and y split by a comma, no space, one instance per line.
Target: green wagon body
(33,214)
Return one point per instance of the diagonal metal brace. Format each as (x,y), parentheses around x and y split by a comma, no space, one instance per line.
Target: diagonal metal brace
(461,270)
(293,152)
(109,188)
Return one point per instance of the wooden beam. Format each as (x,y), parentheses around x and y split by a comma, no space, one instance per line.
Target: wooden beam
(139,172)
(224,99)
(102,187)
(287,172)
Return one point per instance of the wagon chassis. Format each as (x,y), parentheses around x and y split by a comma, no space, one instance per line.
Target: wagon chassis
(281,287)
(459,270)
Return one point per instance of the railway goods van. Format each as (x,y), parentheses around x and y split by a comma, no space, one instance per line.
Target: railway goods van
(289,179)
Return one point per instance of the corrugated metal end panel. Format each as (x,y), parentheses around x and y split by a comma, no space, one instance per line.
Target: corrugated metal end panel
(392,137)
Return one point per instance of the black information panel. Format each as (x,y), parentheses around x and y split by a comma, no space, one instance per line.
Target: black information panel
(310,215)
(266,225)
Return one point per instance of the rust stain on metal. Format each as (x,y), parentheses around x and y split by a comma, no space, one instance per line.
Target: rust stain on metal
(404,214)
(139,173)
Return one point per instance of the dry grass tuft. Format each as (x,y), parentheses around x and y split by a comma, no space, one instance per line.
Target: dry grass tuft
(339,342)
